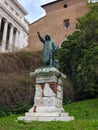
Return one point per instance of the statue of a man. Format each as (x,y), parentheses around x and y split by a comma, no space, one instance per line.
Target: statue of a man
(49,50)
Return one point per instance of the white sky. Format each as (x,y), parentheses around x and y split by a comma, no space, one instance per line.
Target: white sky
(33,8)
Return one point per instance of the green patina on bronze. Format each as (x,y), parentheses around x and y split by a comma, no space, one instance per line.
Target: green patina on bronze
(49,51)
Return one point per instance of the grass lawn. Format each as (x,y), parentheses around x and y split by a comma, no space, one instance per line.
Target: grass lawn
(85,113)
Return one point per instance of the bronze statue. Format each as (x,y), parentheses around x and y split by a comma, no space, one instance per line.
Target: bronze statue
(49,51)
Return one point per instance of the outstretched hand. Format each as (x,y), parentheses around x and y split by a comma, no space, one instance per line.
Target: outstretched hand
(38,33)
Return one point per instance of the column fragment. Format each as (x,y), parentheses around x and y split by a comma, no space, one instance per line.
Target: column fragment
(11,38)
(4,35)
(17,39)
(0,21)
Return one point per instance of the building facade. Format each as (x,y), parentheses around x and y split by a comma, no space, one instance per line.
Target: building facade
(14,27)
(59,22)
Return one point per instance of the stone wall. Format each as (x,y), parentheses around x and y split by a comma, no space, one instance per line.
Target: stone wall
(59,21)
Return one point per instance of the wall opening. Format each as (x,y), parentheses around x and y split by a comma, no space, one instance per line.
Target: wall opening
(66,23)
(65,6)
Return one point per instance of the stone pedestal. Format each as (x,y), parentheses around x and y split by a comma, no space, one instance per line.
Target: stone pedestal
(48,97)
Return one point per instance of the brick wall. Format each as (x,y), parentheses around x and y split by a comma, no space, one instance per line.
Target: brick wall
(53,22)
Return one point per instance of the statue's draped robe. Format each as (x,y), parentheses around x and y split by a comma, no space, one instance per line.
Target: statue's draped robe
(49,49)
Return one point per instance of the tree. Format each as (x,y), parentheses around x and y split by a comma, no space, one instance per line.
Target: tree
(78,56)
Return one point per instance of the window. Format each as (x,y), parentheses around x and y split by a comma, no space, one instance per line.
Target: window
(12,9)
(66,23)
(17,14)
(65,5)
(6,3)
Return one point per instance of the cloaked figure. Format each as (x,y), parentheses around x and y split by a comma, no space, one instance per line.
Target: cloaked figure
(49,51)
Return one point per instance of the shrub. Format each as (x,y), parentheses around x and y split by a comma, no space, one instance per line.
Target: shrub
(22,107)
(4,111)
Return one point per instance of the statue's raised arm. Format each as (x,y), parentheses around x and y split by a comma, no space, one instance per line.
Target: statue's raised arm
(41,39)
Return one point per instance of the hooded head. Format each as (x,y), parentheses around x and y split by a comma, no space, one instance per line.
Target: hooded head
(47,37)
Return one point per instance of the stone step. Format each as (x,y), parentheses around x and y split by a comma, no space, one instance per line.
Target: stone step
(56,118)
(41,114)
(44,118)
(63,114)
(28,119)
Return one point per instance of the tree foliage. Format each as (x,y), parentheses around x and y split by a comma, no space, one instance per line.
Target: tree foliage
(78,56)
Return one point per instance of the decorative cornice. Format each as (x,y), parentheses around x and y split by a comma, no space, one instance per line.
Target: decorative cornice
(20,6)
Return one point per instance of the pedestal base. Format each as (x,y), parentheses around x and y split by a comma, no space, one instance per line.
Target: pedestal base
(53,116)
(48,97)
